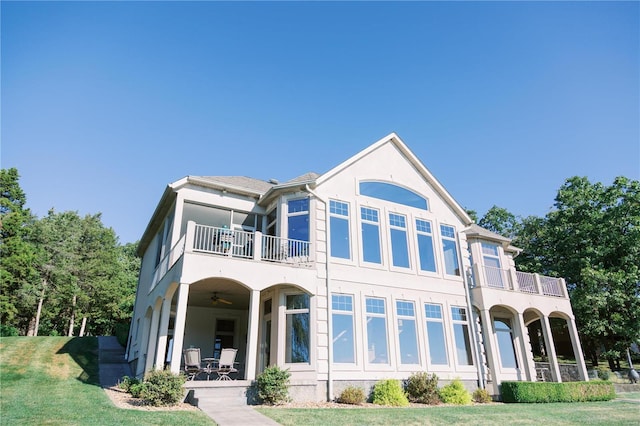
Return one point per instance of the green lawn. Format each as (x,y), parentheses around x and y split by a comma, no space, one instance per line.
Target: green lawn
(54,381)
(615,412)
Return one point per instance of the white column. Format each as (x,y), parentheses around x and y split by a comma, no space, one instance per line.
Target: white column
(252,341)
(178,333)
(487,340)
(577,350)
(153,340)
(525,348)
(162,335)
(551,349)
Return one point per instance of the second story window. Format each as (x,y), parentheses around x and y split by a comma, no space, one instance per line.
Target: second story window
(450,249)
(491,259)
(398,233)
(339,229)
(370,235)
(298,219)
(425,246)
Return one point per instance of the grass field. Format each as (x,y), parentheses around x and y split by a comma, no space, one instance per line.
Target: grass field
(54,381)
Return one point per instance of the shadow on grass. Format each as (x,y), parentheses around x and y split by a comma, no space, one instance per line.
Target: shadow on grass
(84,351)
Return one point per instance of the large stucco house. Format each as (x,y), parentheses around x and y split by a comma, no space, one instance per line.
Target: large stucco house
(371,270)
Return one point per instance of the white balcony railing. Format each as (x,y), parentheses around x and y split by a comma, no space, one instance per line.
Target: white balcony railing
(524,282)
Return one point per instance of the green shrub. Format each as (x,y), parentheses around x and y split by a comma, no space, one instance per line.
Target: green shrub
(162,387)
(8,330)
(136,389)
(126,382)
(423,388)
(455,393)
(389,392)
(536,392)
(272,385)
(481,396)
(352,395)
(603,374)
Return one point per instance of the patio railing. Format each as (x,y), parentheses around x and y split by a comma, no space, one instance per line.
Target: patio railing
(524,282)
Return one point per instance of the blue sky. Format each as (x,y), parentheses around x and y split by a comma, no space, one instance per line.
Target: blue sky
(105,103)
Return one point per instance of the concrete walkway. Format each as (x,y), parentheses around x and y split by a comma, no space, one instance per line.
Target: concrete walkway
(113,367)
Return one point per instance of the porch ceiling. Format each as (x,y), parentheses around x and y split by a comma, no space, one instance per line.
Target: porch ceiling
(200,294)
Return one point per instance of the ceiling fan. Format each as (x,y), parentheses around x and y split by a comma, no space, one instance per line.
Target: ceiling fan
(215,299)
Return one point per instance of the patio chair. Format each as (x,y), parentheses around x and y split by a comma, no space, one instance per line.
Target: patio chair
(193,364)
(225,364)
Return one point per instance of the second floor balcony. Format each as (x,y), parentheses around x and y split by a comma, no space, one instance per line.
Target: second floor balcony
(518,281)
(235,244)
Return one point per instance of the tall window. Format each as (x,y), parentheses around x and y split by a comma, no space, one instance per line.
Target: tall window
(450,249)
(491,259)
(297,328)
(342,323)
(370,235)
(461,333)
(407,332)
(378,351)
(298,219)
(435,334)
(339,228)
(425,245)
(398,232)
(505,343)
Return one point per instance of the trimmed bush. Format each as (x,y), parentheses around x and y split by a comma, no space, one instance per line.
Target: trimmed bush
(126,382)
(603,374)
(272,385)
(455,393)
(423,388)
(389,392)
(8,330)
(352,395)
(162,387)
(481,396)
(557,392)
(136,390)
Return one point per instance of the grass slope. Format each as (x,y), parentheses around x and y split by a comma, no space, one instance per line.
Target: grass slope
(55,381)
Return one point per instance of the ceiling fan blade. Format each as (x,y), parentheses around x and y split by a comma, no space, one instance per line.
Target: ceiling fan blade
(225,301)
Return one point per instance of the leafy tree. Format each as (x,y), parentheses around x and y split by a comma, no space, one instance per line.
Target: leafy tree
(592,239)
(500,221)
(18,275)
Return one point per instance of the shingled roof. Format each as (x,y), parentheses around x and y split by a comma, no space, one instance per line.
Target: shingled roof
(255,185)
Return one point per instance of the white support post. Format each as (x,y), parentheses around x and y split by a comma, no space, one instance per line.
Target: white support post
(178,334)
(525,348)
(577,350)
(190,236)
(162,335)
(257,246)
(551,349)
(538,283)
(252,343)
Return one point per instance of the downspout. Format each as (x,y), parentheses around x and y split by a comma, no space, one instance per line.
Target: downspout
(467,294)
(328,283)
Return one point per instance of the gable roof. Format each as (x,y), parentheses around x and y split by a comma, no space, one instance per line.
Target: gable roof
(240,182)
(478,231)
(394,139)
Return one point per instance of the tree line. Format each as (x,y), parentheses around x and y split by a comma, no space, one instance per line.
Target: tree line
(62,274)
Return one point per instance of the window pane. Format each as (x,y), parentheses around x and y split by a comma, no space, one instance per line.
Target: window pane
(505,344)
(377,340)
(370,243)
(458,314)
(399,250)
(296,206)
(297,340)
(408,341)
(340,237)
(432,311)
(299,227)
(342,302)
(425,250)
(298,301)
(338,208)
(450,257)
(375,306)
(343,347)
(463,345)
(437,348)
(393,193)
(405,308)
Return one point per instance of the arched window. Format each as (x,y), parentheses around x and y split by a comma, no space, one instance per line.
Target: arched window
(394,193)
